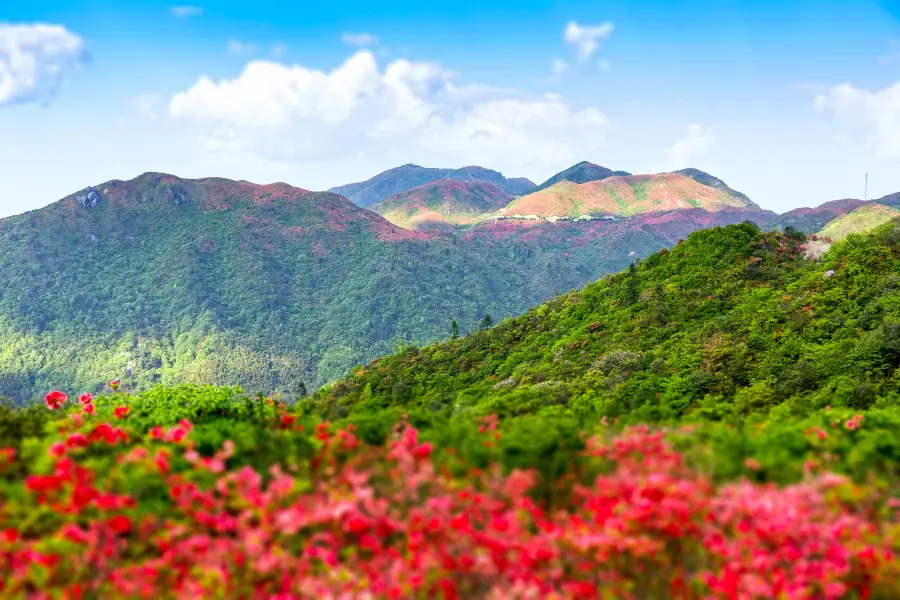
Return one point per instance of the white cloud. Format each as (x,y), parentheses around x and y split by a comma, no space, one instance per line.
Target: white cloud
(237,48)
(586,39)
(146,105)
(292,113)
(359,39)
(878,111)
(36,60)
(186,11)
(687,151)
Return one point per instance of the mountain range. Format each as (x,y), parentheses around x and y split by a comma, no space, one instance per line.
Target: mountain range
(280,289)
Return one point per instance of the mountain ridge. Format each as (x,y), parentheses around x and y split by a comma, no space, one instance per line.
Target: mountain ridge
(442,202)
(579,173)
(406,177)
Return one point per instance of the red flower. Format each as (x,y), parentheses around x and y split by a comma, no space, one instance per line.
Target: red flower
(88,409)
(86,399)
(120,411)
(57,449)
(120,524)
(55,399)
(114,384)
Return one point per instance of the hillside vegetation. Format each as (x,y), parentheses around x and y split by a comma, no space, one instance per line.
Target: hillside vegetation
(442,202)
(731,322)
(860,220)
(580,173)
(168,280)
(625,196)
(406,177)
(503,463)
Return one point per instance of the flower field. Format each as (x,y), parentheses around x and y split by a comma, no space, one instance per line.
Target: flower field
(207,493)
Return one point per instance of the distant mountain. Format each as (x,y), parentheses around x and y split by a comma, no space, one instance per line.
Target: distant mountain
(442,202)
(811,220)
(625,196)
(407,177)
(514,187)
(890,199)
(581,173)
(393,181)
(715,182)
(859,220)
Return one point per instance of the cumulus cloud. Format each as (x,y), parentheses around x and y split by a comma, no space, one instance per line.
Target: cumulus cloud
(36,60)
(687,151)
(237,48)
(586,39)
(186,11)
(292,113)
(359,39)
(877,111)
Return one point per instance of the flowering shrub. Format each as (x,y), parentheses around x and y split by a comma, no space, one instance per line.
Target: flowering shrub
(112,506)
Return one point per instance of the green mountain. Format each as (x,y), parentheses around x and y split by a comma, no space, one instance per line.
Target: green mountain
(730,322)
(711,181)
(581,173)
(167,280)
(865,218)
(393,181)
(514,187)
(445,202)
(407,177)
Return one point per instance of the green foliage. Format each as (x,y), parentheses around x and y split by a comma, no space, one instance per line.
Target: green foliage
(731,323)
(215,282)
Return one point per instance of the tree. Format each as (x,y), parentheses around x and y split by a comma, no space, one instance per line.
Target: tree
(794,234)
(454,330)
(301,389)
(632,291)
(486,322)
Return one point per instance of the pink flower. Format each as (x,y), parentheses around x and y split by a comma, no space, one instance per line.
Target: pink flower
(85,399)
(88,409)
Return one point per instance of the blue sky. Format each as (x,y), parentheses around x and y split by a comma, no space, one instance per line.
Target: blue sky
(791,102)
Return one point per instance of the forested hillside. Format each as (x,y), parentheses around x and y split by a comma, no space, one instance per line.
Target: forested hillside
(168,280)
(730,322)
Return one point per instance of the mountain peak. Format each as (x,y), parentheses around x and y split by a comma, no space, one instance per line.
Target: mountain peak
(579,173)
(406,177)
(441,203)
(713,181)
(625,196)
